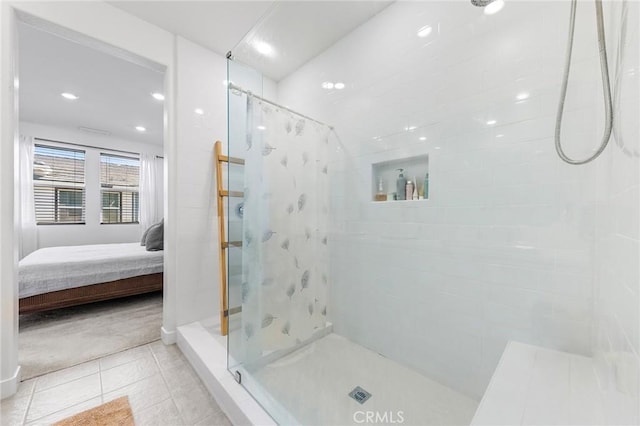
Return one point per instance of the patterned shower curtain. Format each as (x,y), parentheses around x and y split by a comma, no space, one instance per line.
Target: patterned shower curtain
(286,209)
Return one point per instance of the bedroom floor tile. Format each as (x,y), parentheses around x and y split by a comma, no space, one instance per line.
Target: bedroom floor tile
(165,354)
(194,403)
(177,376)
(13,410)
(124,357)
(63,396)
(140,373)
(67,375)
(67,412)
(142,394)
(164,412)
(218,419)
(128,373)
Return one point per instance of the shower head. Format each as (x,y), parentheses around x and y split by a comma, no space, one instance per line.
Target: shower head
(481,3)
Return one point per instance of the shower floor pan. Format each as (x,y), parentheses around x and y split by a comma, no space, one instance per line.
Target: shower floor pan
(313,384)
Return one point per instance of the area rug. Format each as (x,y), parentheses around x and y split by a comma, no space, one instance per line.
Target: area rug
(116,412)
(61,338)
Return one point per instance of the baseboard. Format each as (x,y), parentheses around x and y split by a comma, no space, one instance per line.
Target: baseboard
(9,386)
(168,337)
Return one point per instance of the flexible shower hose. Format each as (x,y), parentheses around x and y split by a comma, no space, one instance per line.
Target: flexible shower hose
(605,86)
(617,91)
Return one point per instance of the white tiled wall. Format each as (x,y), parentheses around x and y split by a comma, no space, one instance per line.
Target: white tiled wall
(505,247)
(200,76)
(617,278)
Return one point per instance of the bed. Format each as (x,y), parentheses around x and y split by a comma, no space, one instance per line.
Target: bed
(57,277)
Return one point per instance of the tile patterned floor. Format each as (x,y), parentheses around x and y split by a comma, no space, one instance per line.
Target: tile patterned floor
(162,387)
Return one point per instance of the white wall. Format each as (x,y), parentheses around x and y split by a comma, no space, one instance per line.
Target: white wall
(616,343)
(9,368)
(92,232)
(200,77)
(504,248)
(200,84)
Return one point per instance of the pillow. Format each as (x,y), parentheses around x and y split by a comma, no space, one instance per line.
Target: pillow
(143,241)
(155,237)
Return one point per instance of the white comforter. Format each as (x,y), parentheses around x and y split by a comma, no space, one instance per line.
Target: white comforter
(60,268)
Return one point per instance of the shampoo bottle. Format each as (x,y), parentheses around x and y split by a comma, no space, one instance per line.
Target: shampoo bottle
(381,195)
(415,189)
(409,190)
(426,183)
(401,184)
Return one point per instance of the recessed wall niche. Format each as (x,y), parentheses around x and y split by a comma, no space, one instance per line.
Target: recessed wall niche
(414,169)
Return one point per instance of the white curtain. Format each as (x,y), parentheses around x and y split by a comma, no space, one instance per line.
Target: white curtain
(148,192)
(28,240)
(284,251)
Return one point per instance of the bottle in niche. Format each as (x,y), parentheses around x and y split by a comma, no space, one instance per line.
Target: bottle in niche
(415,189)
(401,184)
(426,182)
(381,195)
(409,190)
(426,185)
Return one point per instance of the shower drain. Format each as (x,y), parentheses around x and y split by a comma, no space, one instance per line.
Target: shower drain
(360,395)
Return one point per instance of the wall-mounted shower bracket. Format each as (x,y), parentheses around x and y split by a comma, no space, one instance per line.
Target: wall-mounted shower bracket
(238,376)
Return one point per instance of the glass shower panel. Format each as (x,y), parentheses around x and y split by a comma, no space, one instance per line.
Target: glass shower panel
(234,205)
(278,275)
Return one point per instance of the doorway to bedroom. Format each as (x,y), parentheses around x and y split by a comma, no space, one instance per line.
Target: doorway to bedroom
(91,185)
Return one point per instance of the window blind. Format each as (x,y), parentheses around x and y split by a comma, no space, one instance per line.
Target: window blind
(58,184)
(119,182)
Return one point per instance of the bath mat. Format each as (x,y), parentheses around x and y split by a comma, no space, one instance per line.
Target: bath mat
(116,412)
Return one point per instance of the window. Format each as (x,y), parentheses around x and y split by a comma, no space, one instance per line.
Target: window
(58,185)
(119,181)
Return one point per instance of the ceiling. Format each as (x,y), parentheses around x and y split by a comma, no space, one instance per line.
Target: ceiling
(114,94)
(297,30)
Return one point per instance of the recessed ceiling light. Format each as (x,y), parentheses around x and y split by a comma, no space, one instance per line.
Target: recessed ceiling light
(437,147)
(522,96)
(410,128)
(262,128)
(327,85)
(158,96)
(263,48)
(199,111)
(423,138)
(500,135)
(491,122)
(424,31)
(141,128)
(339,86)
(70,96)
(493,7)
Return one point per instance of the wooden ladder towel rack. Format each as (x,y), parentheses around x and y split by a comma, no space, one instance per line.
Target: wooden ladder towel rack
(224,244)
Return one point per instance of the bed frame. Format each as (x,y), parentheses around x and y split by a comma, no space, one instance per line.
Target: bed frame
(91,293)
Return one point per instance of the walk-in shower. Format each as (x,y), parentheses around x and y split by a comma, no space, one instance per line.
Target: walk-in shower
(344,301)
